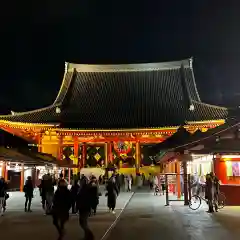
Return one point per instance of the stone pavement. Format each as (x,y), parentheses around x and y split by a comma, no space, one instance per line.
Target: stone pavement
(146,217)
(16,224)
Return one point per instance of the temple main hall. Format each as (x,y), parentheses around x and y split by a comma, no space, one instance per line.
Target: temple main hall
(108,115)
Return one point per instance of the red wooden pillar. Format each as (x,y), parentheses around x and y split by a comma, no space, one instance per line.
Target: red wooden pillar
(84,154)
(6,172)
(137,157)
(4,168)
(220,169)
(76,154)
(178,178)
(39,142)
(60,148)
(110,154)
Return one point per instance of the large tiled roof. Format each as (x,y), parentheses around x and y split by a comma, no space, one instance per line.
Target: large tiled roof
(125,96)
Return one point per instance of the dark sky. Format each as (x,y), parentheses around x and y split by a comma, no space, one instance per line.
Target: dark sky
(38,37)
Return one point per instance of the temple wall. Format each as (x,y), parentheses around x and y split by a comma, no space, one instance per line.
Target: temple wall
(50,149)
(50,145)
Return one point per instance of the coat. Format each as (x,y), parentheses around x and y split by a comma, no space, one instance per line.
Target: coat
(62,202)
(84,199)
(3,189)
(28,189)
(112,193)
(94,195)
(74,191)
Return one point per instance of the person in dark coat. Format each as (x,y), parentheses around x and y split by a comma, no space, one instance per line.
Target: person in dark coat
(118,182)
(48,184)
(112,193)
(3,191)
(28,190)
(74,192)
(42,191)
(94,194)
(61,205)
(84,207)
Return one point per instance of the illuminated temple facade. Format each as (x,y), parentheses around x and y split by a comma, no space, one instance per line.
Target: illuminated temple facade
(106,115)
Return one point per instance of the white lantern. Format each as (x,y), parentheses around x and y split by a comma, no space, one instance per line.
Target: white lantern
(191,107)
(58,110)
(66,67)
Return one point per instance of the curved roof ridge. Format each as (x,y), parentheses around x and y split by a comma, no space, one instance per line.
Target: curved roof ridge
(64,88)
(194,81)
(129,67)
(209,105)
(29,112)
(57,103)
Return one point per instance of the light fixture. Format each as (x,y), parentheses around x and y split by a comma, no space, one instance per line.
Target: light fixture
(191,107)
(58,110)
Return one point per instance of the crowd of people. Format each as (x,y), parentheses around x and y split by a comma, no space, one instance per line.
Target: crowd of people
(82,198)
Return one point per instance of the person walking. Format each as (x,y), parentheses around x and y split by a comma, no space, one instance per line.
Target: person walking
(84,208)
(209,193)
(126,183)
(130,181)
(112,193)
(42,192)
(60,208)
(74,191)
(216,189)
(28,190)
(118,182)
(3,188)
(150,181)
(49,190)
(94,194)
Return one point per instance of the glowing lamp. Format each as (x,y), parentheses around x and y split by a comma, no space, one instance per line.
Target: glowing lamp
(58,110)
(191,107)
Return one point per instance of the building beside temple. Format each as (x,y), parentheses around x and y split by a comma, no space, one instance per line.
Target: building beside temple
(106,115)
(217,150)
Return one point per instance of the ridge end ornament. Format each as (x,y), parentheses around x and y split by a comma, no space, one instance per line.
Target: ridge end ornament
(191,63)
(66,67)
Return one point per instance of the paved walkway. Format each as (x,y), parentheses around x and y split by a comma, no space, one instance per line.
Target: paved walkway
(146,217)
(16,224)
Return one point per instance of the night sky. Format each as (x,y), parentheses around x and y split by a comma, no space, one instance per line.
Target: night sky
(37,39)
